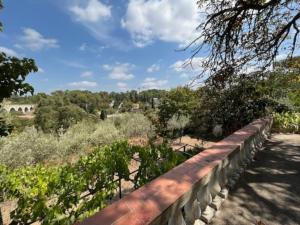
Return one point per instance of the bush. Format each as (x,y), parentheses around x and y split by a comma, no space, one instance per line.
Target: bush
(6,126)
(134,125)
(233,107)
(76,139)
(19,124)
(105,133)
(178,123)
(51,118)
(288,122)
(103,115)
(32,146)
(28,147)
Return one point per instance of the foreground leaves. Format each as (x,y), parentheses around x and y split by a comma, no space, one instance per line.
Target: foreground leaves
(64,195)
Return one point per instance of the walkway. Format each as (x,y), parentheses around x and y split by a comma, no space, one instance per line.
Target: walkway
(269,191)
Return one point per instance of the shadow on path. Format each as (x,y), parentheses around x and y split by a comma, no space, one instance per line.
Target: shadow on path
(269,191)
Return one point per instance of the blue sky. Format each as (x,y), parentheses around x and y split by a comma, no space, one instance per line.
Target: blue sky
(101,45)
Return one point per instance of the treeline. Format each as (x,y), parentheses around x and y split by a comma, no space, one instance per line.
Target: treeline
(61,109)
(91,101)
(231,104)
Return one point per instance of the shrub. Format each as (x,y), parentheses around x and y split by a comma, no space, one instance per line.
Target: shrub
(5,123)
(105,133)
(32,146)
(288,122)
(19,124)
(134,125)
(103,115)
(77,138)
(28,147)
(51,118)
(177,124)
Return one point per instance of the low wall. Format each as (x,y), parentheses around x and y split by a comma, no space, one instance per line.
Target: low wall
(193,191)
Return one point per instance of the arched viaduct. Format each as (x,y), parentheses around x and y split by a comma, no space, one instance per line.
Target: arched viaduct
(23,108)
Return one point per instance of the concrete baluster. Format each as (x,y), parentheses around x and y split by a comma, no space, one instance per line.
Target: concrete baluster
(176,217)
(192,209)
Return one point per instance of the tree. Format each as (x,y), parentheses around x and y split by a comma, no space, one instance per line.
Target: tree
(180,101)
(47,119)
(5,128)
(244,33)
(50,118)
(13,72)
(178,123)
(234,107)
(103,115)
(283,83)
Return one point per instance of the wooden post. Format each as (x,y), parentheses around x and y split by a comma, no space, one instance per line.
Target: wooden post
(120,187)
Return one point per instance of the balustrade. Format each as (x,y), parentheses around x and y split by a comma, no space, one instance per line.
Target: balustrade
(191,193)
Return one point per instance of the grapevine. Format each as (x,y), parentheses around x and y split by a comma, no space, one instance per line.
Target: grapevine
(66,194)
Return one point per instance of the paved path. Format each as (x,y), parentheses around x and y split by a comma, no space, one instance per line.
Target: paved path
(269,191)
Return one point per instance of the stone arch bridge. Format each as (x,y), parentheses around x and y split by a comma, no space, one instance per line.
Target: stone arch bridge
(23,108)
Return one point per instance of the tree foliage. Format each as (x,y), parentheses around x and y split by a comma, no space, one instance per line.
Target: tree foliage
(66,194)
(248,97)
(13,72)
(288,122)
(245,33)
(103,115)
(180,101)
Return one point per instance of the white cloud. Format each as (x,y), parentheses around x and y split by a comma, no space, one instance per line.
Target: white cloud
(153,83)
(8,51)
(119,71)
(41,70)
(122,86)
(95,49)
(87,74)
(35,41)
(83,84)
(153,68)
(185,76)
(94,11)
(83,47)
(166,20)
(191,70)
(187,67)
(106,67)
(73,64)
(96,16)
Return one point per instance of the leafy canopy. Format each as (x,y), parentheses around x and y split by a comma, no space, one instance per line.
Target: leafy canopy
(13,72)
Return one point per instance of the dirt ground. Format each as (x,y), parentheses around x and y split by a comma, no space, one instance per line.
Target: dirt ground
(269,191)
(176,143)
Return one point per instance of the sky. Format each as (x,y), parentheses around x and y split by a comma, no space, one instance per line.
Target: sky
(102,45)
